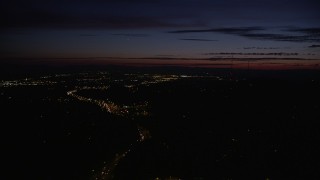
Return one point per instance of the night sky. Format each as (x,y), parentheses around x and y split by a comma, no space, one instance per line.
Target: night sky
(161,30)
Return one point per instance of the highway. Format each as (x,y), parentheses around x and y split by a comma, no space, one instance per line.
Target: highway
(106,172)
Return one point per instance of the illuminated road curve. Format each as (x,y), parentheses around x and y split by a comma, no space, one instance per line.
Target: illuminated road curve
(111,107)
(106,173)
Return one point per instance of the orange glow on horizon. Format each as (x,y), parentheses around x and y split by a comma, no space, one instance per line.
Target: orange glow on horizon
(266,64)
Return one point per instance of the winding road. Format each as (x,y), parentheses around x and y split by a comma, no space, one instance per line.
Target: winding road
(106,172)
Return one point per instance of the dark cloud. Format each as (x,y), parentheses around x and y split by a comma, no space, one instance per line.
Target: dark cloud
(310,31)
(221,30)
(203,40)
(281,37)
(257,33)
(254,54)
(130,35)
(252,58)
(264,48)
(314,46)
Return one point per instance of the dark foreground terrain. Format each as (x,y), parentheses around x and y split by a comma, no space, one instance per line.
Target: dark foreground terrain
(177,124)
